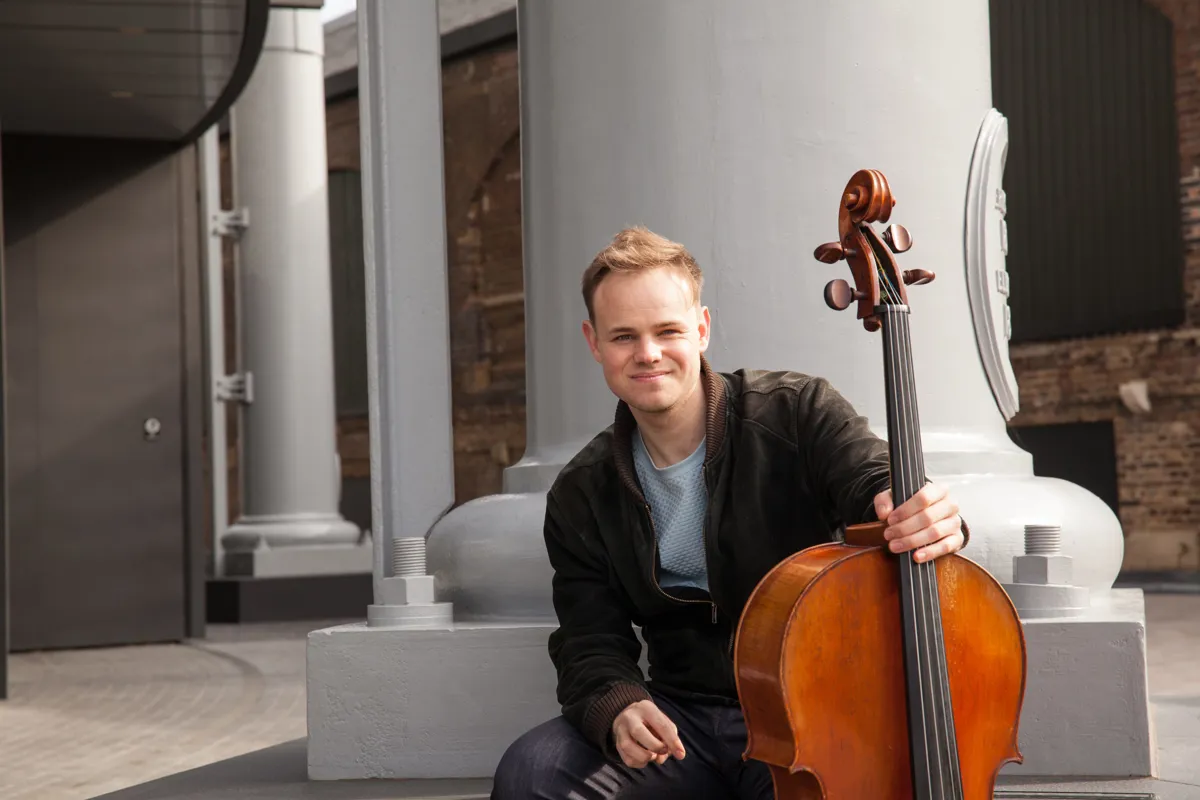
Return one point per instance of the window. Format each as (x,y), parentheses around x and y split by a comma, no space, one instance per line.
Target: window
(1092,177)
(349,292)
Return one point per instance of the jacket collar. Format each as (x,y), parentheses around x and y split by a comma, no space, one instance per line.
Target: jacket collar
(713,386)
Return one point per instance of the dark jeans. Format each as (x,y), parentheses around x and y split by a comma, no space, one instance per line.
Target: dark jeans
(554,762)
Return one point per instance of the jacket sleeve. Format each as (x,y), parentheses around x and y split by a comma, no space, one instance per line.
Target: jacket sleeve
(594,649)
(847,463)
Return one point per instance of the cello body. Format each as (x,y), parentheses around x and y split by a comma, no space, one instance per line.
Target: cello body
(869,675)
(821,674)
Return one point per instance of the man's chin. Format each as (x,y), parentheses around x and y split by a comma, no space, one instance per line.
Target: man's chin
(648,402)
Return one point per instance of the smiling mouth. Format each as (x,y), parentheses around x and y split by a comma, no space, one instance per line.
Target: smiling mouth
(649,376)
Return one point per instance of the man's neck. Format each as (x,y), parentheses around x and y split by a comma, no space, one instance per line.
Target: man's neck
(673,435)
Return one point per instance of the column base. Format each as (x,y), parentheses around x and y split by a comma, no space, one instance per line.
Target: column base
(424,616)
(286,530)
(1086,709)
(1087,700)
(298,560)
(496,682)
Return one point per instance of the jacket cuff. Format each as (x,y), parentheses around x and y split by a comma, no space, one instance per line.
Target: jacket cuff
(598,721)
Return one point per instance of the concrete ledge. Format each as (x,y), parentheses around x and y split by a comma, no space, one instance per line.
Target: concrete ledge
(373,714)
(1087,704)
(301,561)
(395,703)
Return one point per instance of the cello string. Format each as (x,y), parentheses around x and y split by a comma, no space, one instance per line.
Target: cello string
(920,570)
(926,575)
(904,487)
(944,709)
(929,595)
(909,568)
(920,584)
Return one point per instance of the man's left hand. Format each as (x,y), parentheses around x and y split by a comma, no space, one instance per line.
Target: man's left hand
(928,523)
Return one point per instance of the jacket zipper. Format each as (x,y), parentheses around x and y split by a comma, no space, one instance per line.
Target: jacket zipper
(704,536)
(707,526)
(654,567)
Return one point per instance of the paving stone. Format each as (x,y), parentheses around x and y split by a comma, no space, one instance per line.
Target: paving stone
(83,723)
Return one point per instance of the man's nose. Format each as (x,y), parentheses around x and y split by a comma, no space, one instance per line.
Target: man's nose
(648,351)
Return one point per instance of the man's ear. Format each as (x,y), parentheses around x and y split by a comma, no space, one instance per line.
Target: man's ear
(593,340)
(704,328)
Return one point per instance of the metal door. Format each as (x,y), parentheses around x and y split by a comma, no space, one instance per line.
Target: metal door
(95,446)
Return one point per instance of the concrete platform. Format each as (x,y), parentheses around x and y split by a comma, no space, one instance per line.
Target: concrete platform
(279,773)
(226,718)
(371,716)
(1173,633)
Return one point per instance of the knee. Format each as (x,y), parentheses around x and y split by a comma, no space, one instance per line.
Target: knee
(531,765)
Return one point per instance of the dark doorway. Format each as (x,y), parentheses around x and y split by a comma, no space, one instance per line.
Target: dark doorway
(3,478)
(1084,453)
(95,446)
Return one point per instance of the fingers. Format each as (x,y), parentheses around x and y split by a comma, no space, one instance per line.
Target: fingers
(661,725)
(927,496)
(883,504)
(632,754)
(943,547)
(935,540)
(642,733)
(634,743)
(928,523)
(921,519)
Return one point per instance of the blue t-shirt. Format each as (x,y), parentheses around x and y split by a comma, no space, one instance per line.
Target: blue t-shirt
(678,499)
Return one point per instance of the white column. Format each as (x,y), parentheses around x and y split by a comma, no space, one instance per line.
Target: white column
(408,334)
(291,475)
(733,128)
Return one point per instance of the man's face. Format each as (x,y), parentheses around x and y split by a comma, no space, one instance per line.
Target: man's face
(648,336)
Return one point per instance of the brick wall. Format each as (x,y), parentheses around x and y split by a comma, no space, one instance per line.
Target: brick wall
(487,307)
(481,116)
(1158,453)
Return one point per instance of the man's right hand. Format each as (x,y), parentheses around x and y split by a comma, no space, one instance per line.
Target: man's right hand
(643,733)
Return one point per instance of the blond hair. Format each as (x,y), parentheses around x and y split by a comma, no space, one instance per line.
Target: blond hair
(634,250)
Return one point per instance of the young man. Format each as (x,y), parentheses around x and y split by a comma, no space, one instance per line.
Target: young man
(667,520)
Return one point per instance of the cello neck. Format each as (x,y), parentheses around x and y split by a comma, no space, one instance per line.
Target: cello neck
(933,747)
(903,420)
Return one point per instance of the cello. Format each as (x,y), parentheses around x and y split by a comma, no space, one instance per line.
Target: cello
(864,674)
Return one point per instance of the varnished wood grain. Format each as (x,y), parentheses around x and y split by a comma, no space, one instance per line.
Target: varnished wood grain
(866,534)
(820,674)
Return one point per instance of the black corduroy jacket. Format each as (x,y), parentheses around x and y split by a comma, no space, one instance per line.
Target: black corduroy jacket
(789,462)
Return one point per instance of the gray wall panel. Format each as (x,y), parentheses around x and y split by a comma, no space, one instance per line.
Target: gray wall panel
(93,263)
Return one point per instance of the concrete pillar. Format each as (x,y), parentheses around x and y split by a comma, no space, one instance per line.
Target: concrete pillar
(290,523)
(736,149)
(408,333)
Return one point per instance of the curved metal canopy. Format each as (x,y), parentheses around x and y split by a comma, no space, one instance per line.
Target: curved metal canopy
(138,69)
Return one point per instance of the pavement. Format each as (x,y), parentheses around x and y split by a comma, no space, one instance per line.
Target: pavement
(225,718)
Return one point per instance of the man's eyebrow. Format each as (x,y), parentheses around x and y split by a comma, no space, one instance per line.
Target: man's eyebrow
(627,329)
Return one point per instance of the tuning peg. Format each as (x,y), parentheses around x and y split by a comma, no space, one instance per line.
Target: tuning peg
(839,295)
(830,253)
(898,238)
(915,277)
